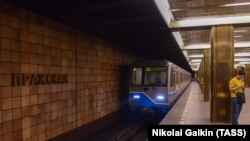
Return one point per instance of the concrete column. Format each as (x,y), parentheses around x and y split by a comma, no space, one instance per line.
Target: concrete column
(222,63)
(207,76)
(239,68)
(201,72)
(247,76)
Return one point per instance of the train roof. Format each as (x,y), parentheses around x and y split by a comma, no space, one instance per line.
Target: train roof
(161,62)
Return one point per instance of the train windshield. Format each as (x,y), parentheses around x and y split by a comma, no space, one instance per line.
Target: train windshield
(149,76)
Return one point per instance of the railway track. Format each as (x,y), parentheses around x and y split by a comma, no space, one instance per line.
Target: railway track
(131,127)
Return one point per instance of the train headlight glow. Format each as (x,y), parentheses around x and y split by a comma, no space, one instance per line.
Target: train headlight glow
(136,96)
(160,97)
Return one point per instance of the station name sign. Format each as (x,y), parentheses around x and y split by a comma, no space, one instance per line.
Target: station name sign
(38,79)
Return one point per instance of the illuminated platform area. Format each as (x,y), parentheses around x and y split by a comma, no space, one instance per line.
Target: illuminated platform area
(193,110)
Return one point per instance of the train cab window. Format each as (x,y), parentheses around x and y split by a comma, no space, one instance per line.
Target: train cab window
(136,76)
(155,76)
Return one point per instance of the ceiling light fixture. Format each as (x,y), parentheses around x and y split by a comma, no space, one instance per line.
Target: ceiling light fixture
(236,4)
(223,5)
(240,31)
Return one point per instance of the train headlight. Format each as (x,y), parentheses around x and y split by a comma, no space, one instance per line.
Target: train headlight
(160,97)
(136,96)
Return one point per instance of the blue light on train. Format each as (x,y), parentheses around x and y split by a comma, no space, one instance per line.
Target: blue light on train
(136,96)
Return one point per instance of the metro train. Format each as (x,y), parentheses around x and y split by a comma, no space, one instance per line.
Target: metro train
(155,85)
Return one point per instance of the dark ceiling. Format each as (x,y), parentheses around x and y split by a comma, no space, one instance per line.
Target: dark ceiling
(135,26)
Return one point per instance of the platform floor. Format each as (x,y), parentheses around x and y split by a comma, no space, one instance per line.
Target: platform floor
(192,109)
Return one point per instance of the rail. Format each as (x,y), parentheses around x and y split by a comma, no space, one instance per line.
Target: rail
(127,133)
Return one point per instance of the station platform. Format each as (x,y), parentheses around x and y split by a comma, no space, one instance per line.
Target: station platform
(193,110)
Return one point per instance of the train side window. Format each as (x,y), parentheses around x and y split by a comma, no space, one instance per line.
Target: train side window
(172,75)
(136,76)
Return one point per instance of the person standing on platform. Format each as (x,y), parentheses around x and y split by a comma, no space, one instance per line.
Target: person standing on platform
(236,84)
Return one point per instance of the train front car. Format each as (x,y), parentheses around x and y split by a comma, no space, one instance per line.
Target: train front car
(149,87)
(156,85)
